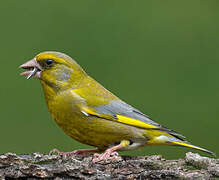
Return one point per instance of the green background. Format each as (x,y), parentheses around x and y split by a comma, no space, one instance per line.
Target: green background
(160,56)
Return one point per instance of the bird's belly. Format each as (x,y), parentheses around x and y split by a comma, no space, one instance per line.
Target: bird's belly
(94,131)
(99,132)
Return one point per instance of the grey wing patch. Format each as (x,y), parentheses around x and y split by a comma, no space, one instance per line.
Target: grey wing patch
(122,108)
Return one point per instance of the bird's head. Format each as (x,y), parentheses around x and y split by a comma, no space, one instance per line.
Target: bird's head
(54,69)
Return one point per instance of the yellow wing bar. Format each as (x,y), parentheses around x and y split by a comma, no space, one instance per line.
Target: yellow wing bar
(134,122)
(119,118)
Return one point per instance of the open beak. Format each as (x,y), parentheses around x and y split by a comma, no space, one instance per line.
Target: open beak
(33,69)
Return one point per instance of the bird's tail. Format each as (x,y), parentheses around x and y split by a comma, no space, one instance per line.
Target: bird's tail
(177,143)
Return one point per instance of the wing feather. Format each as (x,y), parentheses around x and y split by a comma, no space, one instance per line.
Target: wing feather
(129,115)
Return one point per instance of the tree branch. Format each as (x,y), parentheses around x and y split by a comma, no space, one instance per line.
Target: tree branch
(37,166)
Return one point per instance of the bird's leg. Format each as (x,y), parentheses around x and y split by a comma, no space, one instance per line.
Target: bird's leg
(110,153)
(75,152)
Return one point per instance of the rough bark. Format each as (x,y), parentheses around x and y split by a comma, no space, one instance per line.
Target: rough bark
(36,165)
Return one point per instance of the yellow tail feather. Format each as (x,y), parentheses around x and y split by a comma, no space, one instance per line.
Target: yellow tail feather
(193,147)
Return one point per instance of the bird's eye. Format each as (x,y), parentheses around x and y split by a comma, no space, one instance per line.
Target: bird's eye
(49,62)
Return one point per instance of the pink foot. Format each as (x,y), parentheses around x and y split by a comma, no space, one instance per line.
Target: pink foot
(76,152)
(107,155)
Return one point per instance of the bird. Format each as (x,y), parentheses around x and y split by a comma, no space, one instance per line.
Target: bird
(92,115)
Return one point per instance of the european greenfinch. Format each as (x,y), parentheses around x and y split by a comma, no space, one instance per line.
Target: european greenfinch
(92,115)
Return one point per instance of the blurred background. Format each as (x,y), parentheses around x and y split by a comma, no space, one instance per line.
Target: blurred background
(159,56)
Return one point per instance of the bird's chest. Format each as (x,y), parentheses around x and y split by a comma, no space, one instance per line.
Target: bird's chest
(66,112)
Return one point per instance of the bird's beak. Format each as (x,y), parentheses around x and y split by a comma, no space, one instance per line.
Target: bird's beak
(33,69)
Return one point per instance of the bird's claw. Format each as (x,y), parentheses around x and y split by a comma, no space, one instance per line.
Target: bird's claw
(65,154)
(107,155)
(73,153)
